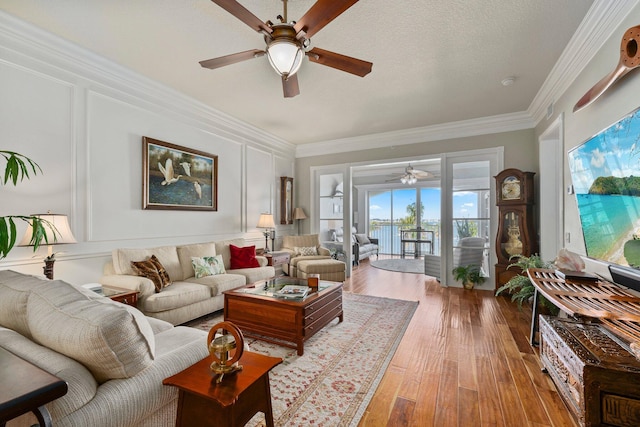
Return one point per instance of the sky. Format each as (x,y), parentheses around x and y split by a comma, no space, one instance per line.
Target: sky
(613,152)
(464,204)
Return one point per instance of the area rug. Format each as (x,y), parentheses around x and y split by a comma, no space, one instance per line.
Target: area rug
(342,365)
(401,265)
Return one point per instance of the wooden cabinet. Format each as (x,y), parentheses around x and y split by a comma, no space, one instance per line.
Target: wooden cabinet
(593,370)
(516,233)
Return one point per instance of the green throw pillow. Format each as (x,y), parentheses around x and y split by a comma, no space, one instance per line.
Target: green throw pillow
(208,266)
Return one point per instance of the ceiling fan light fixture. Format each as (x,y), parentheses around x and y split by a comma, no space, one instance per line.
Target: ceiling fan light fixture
(285,56)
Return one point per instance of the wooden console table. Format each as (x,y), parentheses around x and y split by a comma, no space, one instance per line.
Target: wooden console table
(589,357)
(26,388)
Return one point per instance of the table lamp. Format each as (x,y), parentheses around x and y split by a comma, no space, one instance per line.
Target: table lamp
(298,214)
(266,222)
(57,232)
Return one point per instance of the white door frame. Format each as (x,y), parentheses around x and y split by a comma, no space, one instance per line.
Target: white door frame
(551,189)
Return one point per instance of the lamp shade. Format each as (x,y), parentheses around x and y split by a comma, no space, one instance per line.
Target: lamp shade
(285,56)
(266,221)
(298,213)
(56,227)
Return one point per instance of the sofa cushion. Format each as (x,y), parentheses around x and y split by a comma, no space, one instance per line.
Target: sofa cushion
(244,257)
(253,275)
(112,340)
(168,256)
(14,293)
(363,239)
(186,252)
(153,270)
(222,248)
(220,283)
(207,266)
(178,295)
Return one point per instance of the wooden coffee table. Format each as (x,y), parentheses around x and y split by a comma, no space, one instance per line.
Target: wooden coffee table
(287,322)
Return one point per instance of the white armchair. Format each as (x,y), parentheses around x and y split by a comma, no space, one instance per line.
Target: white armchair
(470,251)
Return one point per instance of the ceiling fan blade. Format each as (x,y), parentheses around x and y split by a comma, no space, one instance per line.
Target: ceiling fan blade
(290,86)
(422,174)
(340,62)
(240,12)
(231,59)
(320,14)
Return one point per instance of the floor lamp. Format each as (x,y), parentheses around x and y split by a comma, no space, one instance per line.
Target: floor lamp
(266,222)
(57,232)
(298,214)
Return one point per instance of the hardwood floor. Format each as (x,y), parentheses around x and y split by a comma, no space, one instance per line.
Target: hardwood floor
(465,359)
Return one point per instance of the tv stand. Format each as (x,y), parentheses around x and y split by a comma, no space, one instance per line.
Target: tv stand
(589,357)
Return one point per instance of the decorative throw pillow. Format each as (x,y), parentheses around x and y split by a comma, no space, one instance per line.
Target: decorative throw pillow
(306,251)
(207,266)
(243,257)
(362,239)
(149,269)
(164,276)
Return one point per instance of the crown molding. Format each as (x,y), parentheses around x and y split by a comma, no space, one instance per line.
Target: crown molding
(600,23)
(464,128)
(50,54)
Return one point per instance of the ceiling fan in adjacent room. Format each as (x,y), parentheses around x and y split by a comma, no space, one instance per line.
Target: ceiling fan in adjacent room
(288,42)
(411,175)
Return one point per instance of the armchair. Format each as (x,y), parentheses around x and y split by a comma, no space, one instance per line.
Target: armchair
(470,251)
(364,247)
(302,248)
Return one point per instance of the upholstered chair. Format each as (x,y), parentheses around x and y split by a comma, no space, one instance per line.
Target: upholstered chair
(301,248)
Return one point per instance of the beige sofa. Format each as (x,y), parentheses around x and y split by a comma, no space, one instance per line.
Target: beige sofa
(112,357)
(187,297)
(290,244)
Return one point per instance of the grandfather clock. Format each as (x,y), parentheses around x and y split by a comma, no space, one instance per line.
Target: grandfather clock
(516,234)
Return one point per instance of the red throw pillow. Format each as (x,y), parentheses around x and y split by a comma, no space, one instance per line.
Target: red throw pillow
(243,257)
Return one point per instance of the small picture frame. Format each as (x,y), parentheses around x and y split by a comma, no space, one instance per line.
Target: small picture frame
(286,200)
(178,178)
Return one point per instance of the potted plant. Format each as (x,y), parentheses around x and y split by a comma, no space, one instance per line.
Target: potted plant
(18,167)
(520,286)
(469,275)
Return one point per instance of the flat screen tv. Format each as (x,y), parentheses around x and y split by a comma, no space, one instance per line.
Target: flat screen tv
(605,171)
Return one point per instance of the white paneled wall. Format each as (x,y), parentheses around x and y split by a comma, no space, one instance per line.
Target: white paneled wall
(82,119)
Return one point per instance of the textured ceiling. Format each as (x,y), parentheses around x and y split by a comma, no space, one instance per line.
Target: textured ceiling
(434,61)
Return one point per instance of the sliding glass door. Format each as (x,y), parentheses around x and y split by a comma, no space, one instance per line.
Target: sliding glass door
(406,208)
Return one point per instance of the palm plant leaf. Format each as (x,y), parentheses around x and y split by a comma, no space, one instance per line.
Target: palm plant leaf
(18,166)
(39,237)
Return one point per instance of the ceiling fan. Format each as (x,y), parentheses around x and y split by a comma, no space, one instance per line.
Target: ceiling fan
(411,175)
(288,42)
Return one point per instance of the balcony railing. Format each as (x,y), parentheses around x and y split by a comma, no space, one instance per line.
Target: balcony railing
(389,236)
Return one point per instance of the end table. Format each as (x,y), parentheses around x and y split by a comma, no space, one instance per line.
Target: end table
(26,388)
(233,402)
(277,259)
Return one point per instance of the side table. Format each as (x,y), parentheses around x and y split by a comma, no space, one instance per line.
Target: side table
(277,259)
(124,296)
(233,402)
(26,388)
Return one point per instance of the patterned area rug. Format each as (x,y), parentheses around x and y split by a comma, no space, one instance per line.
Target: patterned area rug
(402,265)
(342,365)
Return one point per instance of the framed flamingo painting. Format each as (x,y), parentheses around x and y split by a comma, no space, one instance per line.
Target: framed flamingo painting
(178,177)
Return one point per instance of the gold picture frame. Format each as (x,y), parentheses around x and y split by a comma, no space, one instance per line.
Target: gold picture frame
(286,200)
(178,178)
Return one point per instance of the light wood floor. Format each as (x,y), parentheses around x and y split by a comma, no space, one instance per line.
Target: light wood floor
(465,360)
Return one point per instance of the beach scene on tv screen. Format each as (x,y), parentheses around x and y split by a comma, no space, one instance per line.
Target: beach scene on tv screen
(605,171)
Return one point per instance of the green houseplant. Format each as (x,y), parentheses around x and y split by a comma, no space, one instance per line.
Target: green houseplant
(520,286)
(469,275)
(18,167)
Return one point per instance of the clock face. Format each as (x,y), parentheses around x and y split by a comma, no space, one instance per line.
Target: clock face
(511,188)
